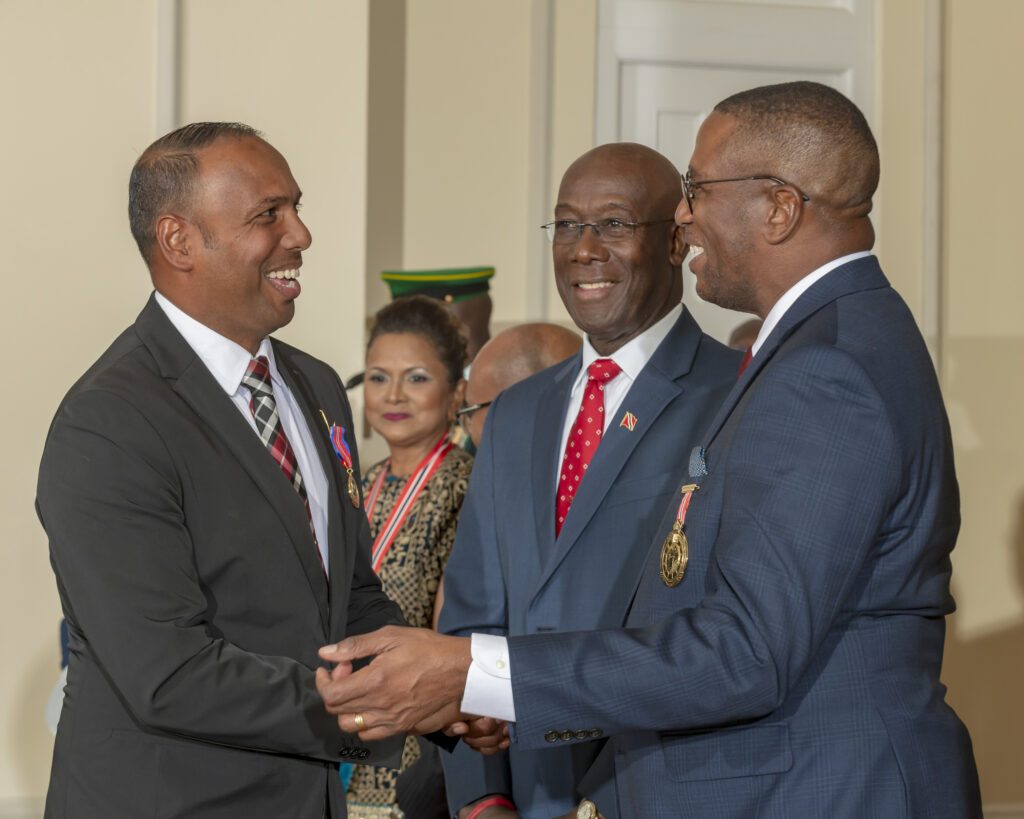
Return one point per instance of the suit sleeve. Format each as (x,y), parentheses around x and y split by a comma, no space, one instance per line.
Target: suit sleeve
(110,501)
(812,470)
(475,601)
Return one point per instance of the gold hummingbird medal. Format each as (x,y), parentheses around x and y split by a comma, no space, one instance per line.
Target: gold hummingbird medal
(675,551)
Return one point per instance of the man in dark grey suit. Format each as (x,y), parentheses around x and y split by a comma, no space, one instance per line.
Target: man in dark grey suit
(198,570)
(618,266)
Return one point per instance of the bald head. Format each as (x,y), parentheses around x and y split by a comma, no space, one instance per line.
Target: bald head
(653,178)
(511,356)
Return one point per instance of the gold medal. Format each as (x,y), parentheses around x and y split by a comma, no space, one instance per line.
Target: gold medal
(586,810)
(353,490)
(675,554)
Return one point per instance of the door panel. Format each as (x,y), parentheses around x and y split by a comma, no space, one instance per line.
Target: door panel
(663,64)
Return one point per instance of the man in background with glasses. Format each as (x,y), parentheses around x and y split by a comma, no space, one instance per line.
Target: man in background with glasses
(551,538)
(508,358)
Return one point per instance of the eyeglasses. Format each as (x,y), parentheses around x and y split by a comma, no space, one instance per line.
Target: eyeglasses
(465,415)
(565,231)
(690,186)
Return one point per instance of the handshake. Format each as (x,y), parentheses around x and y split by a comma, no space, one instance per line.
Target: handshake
(413,685)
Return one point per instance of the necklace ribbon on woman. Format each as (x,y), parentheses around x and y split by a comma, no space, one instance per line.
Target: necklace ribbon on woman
(417,481)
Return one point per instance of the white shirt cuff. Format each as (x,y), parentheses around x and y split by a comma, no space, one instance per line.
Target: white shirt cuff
(489,682)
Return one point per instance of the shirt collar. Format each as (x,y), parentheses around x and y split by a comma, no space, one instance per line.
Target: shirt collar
(632,356)
(788,299)
(226,360)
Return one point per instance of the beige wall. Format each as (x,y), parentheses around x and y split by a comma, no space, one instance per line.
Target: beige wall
(299,74)
(80,103)
(497,100)
(473,191)
(78,106)
(983,365)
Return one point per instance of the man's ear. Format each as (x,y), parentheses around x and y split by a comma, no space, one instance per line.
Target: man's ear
(175,237)
(785,215)
(679,248)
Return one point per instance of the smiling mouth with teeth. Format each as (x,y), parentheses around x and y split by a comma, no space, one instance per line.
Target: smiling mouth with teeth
(594,285)
(284,274)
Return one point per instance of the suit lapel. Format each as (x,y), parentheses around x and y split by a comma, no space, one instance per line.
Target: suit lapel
(858,275)
(341,558)
(197,387)
(657,385)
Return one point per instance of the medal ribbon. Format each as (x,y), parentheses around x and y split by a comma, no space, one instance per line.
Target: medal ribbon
(684,504)
(337,437)
(417,481)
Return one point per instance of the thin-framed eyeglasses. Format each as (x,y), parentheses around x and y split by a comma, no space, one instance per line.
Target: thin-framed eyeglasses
(567,231)
(465,415)
(691,186)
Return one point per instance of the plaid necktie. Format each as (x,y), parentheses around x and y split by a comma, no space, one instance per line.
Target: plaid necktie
(584,437)
(268,424)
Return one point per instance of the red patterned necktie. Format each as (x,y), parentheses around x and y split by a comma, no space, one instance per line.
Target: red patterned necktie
(748,354)
(268,424)
(584,437)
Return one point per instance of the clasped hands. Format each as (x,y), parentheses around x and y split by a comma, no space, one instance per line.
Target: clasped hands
(413,685)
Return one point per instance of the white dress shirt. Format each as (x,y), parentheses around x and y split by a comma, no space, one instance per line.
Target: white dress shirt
(631,357)
(489,684)
(788,299)
(227,363)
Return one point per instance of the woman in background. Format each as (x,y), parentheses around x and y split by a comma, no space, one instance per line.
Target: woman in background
(412,390)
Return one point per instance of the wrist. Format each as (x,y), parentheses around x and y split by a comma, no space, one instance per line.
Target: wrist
(477,809)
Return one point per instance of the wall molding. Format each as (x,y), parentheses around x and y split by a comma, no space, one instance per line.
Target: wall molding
(168,69)
(932,194)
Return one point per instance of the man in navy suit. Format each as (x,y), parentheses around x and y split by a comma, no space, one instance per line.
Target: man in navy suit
(618,266)
(804,678)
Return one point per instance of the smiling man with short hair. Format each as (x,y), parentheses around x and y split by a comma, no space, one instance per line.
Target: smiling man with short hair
(201,532)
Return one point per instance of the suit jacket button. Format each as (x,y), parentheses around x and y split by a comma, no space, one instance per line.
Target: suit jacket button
(343,753)
(567,735)
(581,734)
(364,752)
(596,732)
(551,736)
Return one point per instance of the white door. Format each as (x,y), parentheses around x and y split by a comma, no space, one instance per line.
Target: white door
(663,64)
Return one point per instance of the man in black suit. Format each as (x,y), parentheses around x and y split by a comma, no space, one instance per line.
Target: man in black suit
(205,535)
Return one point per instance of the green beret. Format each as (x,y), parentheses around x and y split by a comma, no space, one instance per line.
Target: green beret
(448,284)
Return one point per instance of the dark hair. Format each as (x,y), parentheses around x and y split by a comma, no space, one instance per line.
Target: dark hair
(163,178)
(428,318)
(815,136)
